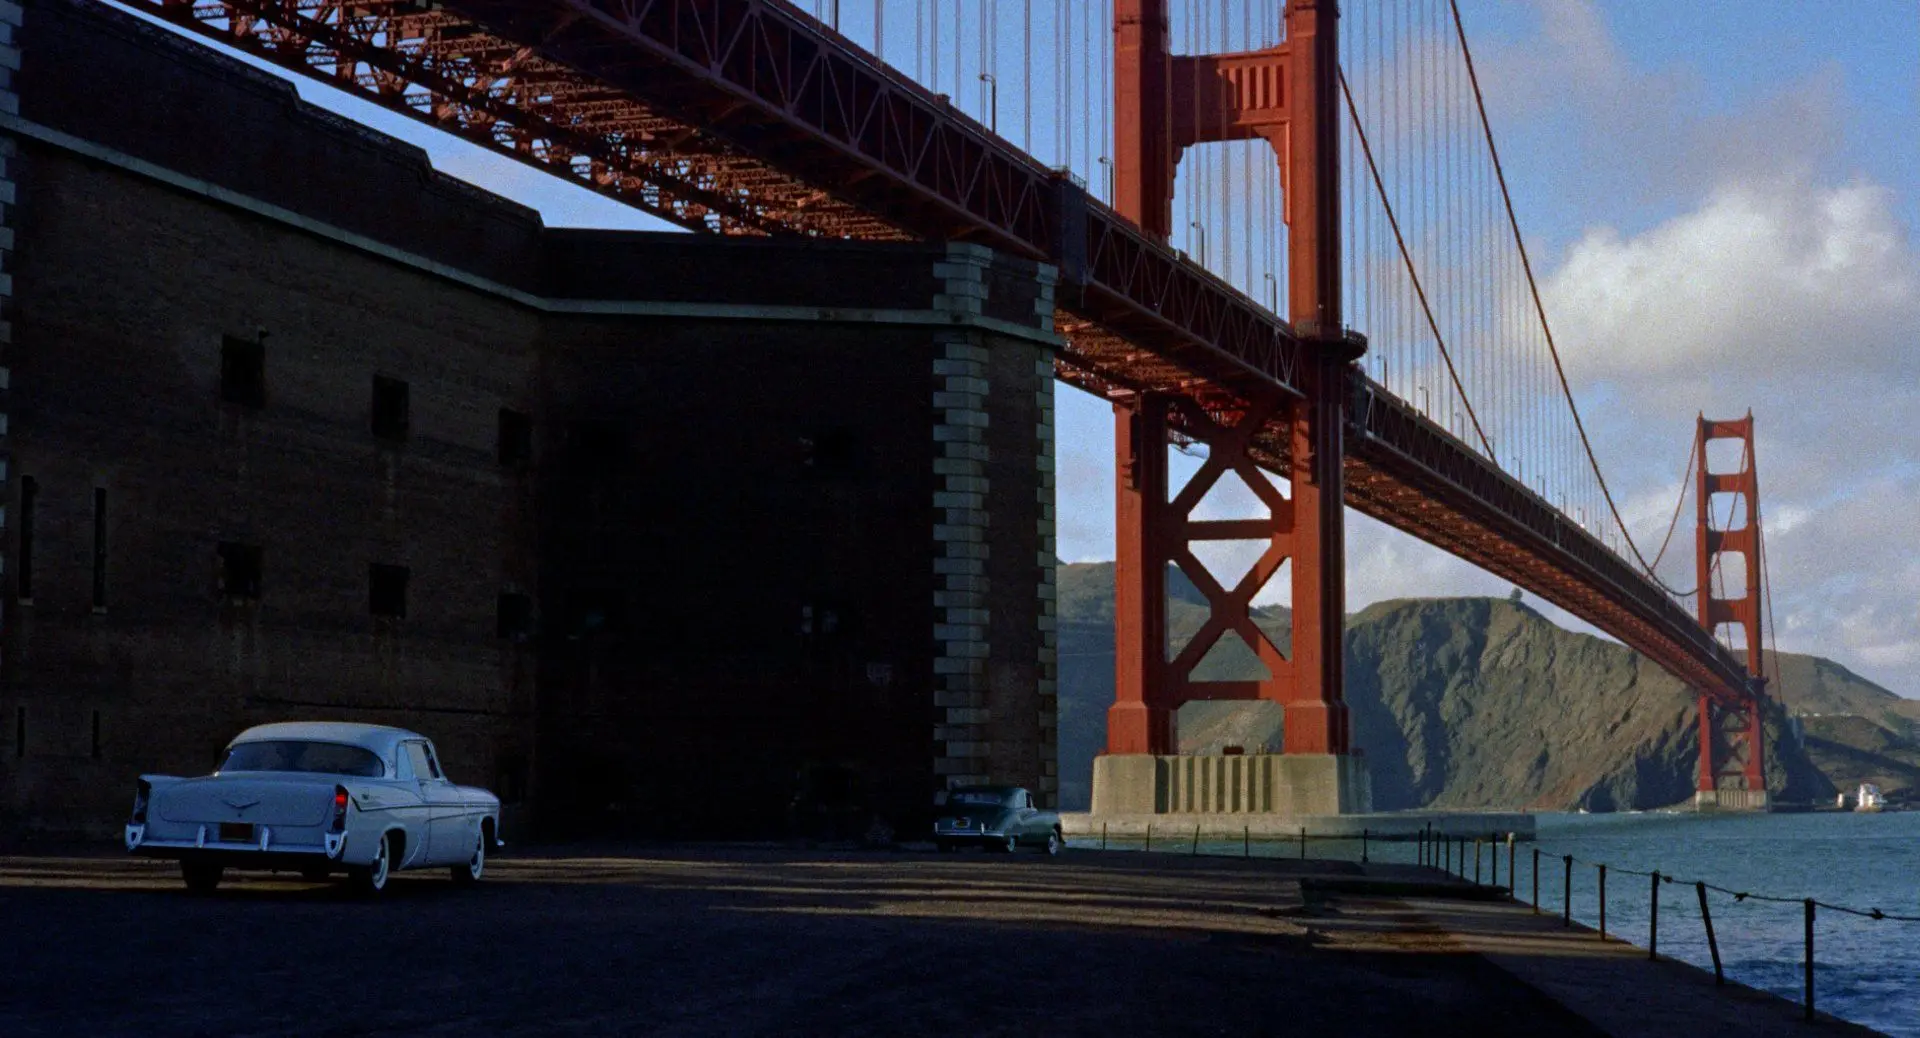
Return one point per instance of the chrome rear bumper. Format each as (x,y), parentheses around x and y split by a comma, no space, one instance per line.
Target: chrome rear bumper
(330,848)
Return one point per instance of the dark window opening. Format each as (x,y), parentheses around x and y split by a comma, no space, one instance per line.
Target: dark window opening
(596,443)
(516,437)
(99,547)
(20,731)
(595,611)
(96,735)
(29,496)
(390,408)
(243,372)
(830,452)
(240,570)
(387,590)
(515,617)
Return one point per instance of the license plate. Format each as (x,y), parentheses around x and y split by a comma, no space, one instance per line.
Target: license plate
(236,832)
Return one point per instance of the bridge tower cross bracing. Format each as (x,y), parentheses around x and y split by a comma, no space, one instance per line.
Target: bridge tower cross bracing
(1164,104)
(1739,774)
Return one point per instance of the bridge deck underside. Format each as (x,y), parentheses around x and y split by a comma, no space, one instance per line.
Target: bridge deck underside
(748,117)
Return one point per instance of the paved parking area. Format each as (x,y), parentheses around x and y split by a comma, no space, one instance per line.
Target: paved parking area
(740,941)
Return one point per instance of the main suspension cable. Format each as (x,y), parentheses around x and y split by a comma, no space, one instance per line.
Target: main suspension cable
(1533,286)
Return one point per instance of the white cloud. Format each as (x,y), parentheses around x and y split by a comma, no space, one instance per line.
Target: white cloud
(1785,275)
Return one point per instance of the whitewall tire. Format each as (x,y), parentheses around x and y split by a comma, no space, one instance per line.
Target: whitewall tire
(372,878)
(474,867)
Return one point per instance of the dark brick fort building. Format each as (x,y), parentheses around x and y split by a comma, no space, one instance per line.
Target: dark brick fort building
(653,533)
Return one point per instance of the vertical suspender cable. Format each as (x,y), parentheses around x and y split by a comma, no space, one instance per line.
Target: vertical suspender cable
(986,46)
(1087,118)
(1106,89)
(1062,155)
(1247,151)
(959,37)
(1026,78)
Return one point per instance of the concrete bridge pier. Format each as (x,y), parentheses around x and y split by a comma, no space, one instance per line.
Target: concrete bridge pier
(1282,784)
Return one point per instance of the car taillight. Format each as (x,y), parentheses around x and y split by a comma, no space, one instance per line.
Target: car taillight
(141,794)
(339,809)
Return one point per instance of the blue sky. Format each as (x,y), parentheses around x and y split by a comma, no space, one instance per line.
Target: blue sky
(1719,198)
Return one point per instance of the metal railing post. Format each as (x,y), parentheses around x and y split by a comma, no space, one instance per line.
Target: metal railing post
(1196,840)
(1653,919)
(1566,896)
(1363,846)
(1103,836)
(1809,958)
(1713,946)
(1149,836)
(1493,859)
(1603,902)
(1303,843)
(1513,875)
(1536,881)
(1246,841)
(1476,861)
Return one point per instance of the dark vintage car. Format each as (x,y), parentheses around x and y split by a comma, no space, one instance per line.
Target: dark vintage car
(998,817)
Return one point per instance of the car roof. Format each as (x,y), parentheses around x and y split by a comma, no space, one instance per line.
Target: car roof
(376,737)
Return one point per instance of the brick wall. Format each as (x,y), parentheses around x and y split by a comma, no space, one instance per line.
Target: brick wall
(127,297)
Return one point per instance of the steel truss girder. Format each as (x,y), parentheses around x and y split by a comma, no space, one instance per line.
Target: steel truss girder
(505,96)
(748,117)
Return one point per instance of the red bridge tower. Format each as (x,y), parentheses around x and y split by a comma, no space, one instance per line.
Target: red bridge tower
(1733,771)
(1165,103)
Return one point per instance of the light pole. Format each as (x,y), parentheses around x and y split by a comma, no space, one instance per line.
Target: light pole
(1201,254)
(1273,291)
(1107,162)
(993,101)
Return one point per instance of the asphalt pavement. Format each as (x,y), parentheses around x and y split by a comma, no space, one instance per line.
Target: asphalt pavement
(745,941)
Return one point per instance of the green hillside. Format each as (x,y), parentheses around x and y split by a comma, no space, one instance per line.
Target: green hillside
(1476,702)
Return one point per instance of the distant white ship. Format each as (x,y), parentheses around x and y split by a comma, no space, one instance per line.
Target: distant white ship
(1869,798)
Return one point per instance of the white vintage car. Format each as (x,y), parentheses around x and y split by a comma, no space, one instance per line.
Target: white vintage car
(317,798)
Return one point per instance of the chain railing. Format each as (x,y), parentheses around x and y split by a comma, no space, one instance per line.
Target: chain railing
(1439,851)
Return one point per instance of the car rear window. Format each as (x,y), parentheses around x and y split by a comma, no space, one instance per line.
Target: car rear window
(326,758)
(984,798)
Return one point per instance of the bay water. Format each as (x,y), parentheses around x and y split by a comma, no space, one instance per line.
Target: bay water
(1865,970)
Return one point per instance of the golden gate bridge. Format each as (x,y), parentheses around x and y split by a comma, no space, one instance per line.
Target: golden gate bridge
(1282,231)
